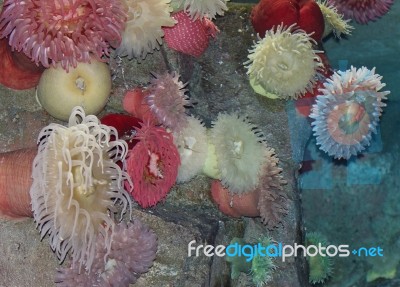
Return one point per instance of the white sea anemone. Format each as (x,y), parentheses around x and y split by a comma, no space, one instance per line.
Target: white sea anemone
(283,63)
(192,147)
(143,32)
(76,182)
(239,148)
(333,20)
(197,9)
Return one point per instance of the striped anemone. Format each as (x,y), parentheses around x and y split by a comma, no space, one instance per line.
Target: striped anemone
(347,112)
(76,183)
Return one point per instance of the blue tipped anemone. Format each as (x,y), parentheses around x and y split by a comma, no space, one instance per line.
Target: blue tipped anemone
(347,112)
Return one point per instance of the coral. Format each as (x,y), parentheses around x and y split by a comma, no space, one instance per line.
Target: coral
(362,11)
(268,14)
(347,111)
(283,63)
(133,250)
(143,32)
(76,183)
(198,9)
(333,20)
(320,266)
(188,36)
(192,146)
(239,149)
(167,100)
(15,182)
(59,31)
(153,165)
(17,71)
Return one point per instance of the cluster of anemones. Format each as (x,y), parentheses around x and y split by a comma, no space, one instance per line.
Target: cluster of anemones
(249,182)
(283,63)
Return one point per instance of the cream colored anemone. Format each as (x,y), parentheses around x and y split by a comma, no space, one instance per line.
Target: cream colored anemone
(283,63)
(333,20)
(76,182)
(204,8)
(143,32)
(240,149)
(192,146)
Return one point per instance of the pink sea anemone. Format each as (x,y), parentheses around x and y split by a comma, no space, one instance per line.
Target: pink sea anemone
(189,36)
(135,103)
(62,31)
(133,250)
(362,11)
(153,165)
(167,100)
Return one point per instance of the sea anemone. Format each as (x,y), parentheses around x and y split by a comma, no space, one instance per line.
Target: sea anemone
(198,9)
(333,20)
(260,267)
(192,146)
(283,63)
(133,250)
(76,183)
(60,31)
(125,125)
(17,71)
(15,182)
(273,199)
(347,111)
(320,266)
(188,36)
(267,200)
(268,14)
(87,85)
(135,103)
(143,32)
(167,100)
(240,151)
(153,165)
(362,11)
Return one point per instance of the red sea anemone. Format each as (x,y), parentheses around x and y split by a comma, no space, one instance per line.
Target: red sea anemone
(15,182)
(125,125)
(362,11)
(17,71)
(268,14)
(153,165)
(62,31)
(133,250)
(189,36)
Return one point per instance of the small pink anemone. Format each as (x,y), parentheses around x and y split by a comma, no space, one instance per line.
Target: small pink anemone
(167,100)
(62,31)
(153,165)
